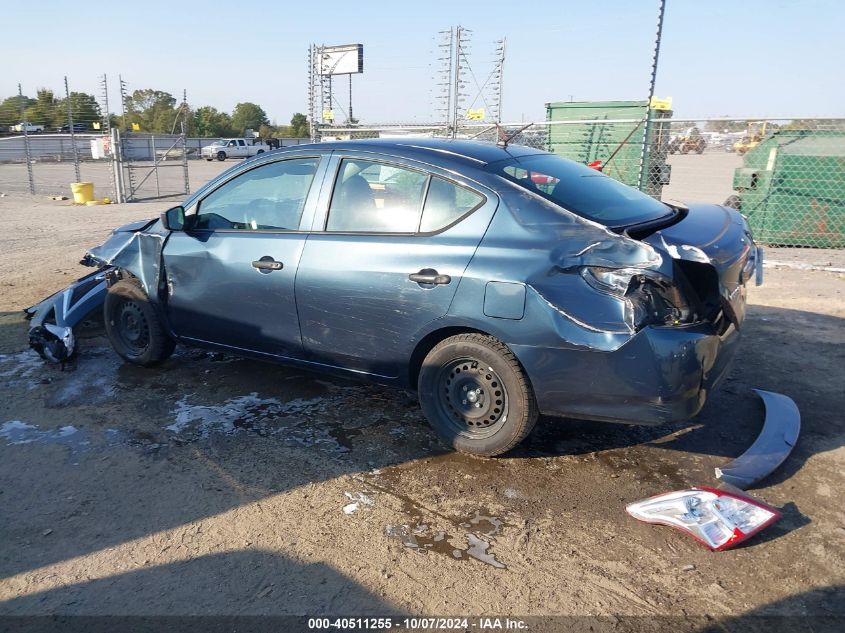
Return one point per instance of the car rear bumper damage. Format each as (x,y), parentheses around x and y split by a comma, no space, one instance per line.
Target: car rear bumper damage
(662,374)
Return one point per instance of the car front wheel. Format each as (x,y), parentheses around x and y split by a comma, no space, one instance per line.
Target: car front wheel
(221,156)
(476,396)
(132,326)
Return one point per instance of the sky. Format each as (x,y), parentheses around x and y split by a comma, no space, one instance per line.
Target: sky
(718,57)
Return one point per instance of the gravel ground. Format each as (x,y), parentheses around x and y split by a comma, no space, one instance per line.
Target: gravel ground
(214,485)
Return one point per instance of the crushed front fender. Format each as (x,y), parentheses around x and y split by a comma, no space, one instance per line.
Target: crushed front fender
(774,444)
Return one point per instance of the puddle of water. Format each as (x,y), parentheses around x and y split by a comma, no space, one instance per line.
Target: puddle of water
(202,420)
(334,419)
(292,421)
(16,432)
(478,550)
(479,530)
(22,369)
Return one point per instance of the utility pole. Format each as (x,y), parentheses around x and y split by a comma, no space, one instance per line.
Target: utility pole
(446,59)
(184,135)
(350,98)
(106,119)
(457,78)
(26,142)
(72,133)
(501,70)
(312,98)
(646,150)
(123,99)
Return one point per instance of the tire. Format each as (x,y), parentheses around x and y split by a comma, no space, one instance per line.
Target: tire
(209,159)
(494,379)
(261,151)
(221,156)
(133,327)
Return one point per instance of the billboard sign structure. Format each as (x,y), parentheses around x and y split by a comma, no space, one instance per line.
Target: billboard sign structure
(347,59)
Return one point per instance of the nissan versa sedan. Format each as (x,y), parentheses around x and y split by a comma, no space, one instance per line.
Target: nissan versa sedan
(499,282)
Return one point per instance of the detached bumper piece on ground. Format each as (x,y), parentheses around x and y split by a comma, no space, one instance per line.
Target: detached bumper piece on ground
(53,319)
(772,446)
(721,518)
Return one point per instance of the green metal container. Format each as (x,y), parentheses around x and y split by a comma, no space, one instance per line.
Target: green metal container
(596,133)
(792,188)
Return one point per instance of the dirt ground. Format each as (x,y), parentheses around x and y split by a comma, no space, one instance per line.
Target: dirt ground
(214,485)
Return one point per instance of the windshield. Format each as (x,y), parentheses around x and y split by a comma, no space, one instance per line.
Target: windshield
(581,190)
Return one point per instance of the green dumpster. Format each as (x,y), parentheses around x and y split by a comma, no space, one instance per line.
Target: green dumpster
(601,129)
(792,188)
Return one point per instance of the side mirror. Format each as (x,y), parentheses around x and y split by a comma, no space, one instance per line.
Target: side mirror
(174,219)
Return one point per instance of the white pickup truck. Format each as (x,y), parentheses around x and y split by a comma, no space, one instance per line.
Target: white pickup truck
(234,148)
(29,128)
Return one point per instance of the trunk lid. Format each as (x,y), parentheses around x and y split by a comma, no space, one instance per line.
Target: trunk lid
(713,252)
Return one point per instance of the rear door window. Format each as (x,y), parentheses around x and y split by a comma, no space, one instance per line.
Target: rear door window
(446,203)
(372,197)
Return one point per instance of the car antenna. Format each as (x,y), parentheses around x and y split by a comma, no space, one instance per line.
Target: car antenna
(505,138)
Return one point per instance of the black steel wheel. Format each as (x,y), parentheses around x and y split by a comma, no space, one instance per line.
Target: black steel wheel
(476,395)
(472,396)
(132,325)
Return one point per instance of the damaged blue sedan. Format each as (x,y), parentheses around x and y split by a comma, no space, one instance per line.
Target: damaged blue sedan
(499,282)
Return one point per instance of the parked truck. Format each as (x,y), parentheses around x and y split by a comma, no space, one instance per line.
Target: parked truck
(234,148)
(29,128)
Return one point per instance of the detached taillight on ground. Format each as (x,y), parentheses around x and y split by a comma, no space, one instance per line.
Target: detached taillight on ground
(717,518)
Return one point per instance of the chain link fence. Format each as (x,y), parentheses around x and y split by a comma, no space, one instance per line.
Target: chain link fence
(787,176)
(53,139)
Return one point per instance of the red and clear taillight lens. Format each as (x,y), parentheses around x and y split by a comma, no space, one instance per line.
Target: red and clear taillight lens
(717,518)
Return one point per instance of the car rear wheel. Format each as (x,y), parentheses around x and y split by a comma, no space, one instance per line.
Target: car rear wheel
(476,396)
(132,326)
(221,156)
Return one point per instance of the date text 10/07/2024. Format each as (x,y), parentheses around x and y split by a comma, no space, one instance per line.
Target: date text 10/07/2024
(417,624)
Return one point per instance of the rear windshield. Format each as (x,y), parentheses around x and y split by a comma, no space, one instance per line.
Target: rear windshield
(582,190)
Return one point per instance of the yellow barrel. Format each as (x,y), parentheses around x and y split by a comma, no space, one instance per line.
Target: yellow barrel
(82,192)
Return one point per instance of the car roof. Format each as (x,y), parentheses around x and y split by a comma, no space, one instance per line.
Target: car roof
(474,153)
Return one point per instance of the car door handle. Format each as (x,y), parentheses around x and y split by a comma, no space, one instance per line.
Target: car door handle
(429,276)
(268,264)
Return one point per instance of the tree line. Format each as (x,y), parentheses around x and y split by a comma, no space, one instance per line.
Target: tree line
(148,110)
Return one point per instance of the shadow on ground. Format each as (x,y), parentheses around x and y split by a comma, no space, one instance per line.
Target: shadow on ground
(258,582)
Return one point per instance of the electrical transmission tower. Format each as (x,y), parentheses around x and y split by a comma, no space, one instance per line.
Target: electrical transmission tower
(105,115)
(455,74)
(445,61)
(497,77)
